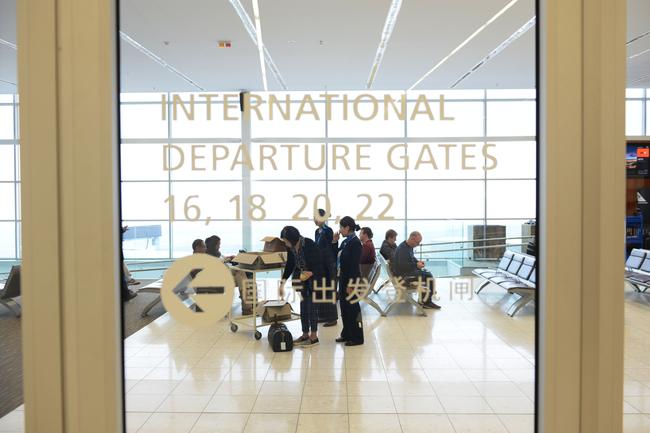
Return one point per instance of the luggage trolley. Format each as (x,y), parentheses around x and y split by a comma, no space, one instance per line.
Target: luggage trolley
(252,321)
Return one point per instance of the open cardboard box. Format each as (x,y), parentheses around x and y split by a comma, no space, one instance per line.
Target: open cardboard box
(274,244)
(261,260)
(272,311)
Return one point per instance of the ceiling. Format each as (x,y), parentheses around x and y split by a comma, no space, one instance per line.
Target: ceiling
(319,45)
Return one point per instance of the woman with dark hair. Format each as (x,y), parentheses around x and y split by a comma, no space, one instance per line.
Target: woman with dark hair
(326,301)
(304,266)
(349,255)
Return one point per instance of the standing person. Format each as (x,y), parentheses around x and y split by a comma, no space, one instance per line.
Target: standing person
(324,238)
(405,265)
(125,293)
(304,265)
(368,256)
(389,245)
(349,255)
(213,248)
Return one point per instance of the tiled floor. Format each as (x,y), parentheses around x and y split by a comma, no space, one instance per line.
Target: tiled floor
(467,368)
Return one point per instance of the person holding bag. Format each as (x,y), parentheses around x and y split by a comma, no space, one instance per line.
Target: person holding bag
(304,264)
(349,256)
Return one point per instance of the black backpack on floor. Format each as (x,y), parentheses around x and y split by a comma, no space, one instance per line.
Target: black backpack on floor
(280,338)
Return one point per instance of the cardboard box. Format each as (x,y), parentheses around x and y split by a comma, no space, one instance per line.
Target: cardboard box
(274,244)
(272,311)
(261,260)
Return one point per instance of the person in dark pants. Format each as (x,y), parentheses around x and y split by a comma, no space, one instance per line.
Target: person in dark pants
(305,266)
(324,238)
(405,265)
(349,255)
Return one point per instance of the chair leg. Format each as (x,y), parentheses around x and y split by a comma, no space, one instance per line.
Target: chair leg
(519,304)
(482,286)
(12,305)
(381,286)
(149,306)
(374,305)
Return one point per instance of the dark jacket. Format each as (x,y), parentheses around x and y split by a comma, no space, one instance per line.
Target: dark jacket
(313,262)
(324,240)
(404,262)
(387,250)
(350,255)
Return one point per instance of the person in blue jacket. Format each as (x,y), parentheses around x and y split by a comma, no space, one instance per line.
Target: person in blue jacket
(324,238)
(349,256)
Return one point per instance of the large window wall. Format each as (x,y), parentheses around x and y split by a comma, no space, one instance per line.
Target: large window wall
(9,180)
(440,203)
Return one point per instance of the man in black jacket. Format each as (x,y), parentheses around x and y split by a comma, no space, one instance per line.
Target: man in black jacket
(405,265)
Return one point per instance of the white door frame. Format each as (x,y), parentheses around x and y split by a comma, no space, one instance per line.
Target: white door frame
(71,322)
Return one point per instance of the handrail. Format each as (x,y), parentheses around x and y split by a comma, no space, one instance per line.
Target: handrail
(473,248)
(479,240)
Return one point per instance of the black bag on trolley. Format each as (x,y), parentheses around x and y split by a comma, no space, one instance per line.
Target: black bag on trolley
(280,338)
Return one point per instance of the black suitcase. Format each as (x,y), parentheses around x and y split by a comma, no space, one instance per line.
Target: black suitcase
(280,338)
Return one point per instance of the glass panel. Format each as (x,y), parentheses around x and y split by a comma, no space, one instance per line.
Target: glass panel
(513,159)
(145,200)
(206,123)
(634,93)
(511,93)
(303,161)
(467,119)
(633,118)
(6,162)
(285,200)
(6,122)
(142,121)
(7,198)
(307,121)
(367,201)
(367,161)
(511,199)
(507,119)
(446,160)
(144,161)
(205,161)
(206,200)
(382,118)
(7,244)
(145,239)
(185,232)
(453,199)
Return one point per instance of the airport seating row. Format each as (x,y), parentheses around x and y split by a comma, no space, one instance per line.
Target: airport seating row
(515,273)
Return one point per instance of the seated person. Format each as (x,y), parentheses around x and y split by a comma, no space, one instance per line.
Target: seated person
(213,246)
(368,257)
(198,247)
(405,265)
(389,245)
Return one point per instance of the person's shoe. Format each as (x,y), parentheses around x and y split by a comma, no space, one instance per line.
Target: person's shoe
(310,343)
(328,324)
(300,340)
(353,343)
(130,296)
(341,340)
(133,282)
(432,305)
(426,305)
